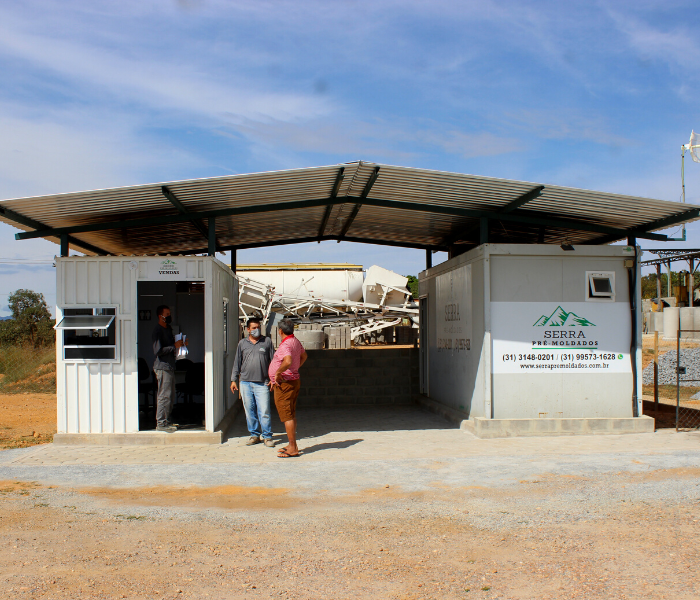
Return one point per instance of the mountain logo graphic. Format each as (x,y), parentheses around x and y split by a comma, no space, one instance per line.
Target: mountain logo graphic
(168,263)
(561,318)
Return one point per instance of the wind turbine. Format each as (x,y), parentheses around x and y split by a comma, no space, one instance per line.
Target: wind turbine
(692,146)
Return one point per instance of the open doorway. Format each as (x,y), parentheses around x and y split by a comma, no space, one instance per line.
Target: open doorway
(186,302)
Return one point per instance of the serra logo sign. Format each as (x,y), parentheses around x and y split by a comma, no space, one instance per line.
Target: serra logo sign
(561,321)
(452,312)
(168,267)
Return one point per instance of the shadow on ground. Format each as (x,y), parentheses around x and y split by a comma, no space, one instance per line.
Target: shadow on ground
(317,422)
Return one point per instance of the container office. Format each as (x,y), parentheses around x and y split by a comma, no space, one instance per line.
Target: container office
(535,339)
(106,313)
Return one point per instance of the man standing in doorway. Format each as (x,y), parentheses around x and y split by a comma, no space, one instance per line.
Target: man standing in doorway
(253,357)
(285,381)
(164,347)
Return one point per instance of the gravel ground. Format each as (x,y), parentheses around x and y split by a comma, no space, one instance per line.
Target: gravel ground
(690,359)
(515,525)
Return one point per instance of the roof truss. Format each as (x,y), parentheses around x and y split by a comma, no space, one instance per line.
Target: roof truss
(534,218)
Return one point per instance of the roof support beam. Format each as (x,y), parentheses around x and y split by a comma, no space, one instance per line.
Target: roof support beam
(43,231)
(329,208)
(65,246)
(306,240)
(211,249)
(522,200)
(693,213)
(483,230)
(511,206)
(183,210)
(531,218)
(27,222)
(356,209)
(519,202)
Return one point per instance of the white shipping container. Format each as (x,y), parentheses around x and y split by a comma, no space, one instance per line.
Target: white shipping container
(532,332)
(97,367)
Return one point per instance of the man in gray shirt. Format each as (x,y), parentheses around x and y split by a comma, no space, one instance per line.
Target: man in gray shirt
(253,357)
(164,347)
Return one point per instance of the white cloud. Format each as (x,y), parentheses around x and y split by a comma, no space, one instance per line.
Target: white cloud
(157,84)
(678,46)
(54,151)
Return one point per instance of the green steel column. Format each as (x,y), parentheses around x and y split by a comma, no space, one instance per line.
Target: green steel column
(212,236)
(483,230)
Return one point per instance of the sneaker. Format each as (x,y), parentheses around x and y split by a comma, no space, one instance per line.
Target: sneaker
(253,439)
(270,443)
(166,428)
(175,425)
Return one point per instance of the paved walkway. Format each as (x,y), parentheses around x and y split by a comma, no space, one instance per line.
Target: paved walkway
(357,434)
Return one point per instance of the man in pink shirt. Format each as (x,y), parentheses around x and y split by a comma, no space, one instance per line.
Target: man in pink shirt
(285,381)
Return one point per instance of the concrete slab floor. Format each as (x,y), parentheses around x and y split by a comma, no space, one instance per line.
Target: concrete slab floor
(382,497)
(356,434)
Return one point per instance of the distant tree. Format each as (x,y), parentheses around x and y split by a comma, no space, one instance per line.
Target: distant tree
(31,320)
(412,285)
(649,284)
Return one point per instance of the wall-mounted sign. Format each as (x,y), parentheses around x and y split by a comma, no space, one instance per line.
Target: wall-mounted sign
(549,337)
(454,311)
(169,269)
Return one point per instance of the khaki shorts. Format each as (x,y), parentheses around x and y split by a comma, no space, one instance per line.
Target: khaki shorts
(286,394)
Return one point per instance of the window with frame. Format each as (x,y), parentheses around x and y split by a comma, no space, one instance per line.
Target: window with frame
(89,333)
(600,286)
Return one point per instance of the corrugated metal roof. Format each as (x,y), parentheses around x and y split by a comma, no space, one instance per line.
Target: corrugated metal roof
(299,267)
(405,206)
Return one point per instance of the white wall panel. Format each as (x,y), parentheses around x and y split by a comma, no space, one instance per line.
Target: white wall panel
(105,282)
(67,270)
(81,282)
(93,276)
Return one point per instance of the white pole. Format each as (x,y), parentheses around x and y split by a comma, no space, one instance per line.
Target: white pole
(683,181)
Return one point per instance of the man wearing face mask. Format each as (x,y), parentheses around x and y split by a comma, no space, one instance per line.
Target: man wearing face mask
(253,357)
(164,347)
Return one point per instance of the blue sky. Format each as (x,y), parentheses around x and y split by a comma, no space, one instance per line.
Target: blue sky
(598,95)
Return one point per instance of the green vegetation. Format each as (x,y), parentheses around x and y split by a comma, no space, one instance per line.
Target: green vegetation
(27,345)
(412,285)
(31,322)
(649,284)
(27,369)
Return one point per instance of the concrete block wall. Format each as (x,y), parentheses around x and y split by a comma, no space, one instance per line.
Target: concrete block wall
(337,337)
(406,335)
(359,377)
